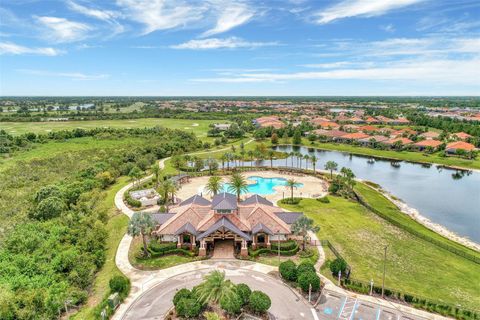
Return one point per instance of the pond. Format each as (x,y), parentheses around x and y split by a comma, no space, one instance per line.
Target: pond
(448,197)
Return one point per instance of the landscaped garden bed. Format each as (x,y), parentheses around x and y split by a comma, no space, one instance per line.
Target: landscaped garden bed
(303,277)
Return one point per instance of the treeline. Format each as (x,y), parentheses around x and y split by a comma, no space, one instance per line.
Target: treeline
(49,257)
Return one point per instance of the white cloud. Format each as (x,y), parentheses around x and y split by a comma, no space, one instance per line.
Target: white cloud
(161,14)
(230,16)
(104,15)
(63,30)
(360,8)
(390,28)
(217,43)
(70,75)
(15,49)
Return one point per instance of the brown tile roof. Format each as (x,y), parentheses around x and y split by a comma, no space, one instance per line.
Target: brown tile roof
(462,135)
(428,143)
(355,136)
(430,135)
(402,140)
(369,128)
(328,124)
(460,145)
(330,133)
(377,138)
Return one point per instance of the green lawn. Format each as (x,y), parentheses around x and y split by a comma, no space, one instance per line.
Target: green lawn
(199,127)
(116,227)
(399,155)
(413,265)
(273,260)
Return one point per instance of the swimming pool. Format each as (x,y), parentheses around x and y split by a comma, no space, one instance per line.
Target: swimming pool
(263,186)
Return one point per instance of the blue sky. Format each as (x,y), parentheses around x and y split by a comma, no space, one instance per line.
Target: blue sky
(221,47)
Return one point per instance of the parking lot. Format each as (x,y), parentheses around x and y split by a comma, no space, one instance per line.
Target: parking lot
(337,306)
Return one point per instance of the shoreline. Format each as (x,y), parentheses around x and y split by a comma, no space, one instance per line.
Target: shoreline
(435,227)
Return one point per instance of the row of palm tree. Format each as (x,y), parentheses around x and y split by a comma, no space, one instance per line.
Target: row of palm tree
(236,184)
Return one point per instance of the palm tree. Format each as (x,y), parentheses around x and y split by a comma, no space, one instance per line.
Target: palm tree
(291,183)
(348,176)
(302,226)
(306,157)
(292,154)
(141,224)
(188,159)
(238,184)
(166,188)
(250,154)
(271,154)
(314,160)
(214,185)
(224,159)
(214,288)
(135,174)
(242,156)
(332,166)
(156,173)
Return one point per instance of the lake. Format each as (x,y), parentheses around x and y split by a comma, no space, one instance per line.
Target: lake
(448,197)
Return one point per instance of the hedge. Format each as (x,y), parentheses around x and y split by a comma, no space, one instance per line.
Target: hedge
(295,200)
(286,245)
(132,202)
(161,247)
(288,270)
(287,253)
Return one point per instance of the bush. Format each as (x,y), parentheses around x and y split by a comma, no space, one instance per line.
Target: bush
(295,200)
(132,202)
(259,302)
(305,267)
(188,308)
(309,278)
(288,270)
(120,284)
(231,303)
(48,208)
(285,246)
(181,294)
(243,292)
(338,265)
(323,199)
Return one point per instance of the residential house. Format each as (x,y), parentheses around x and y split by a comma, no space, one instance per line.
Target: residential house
(422,145)
(453,147)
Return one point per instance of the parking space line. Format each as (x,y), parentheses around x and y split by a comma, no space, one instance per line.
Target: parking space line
(354,308)
(343,306)
(314,313)
(379,311)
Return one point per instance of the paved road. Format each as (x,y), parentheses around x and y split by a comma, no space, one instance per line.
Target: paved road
(156,302)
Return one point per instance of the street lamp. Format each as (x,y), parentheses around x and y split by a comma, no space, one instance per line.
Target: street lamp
(384,269)
(371,287)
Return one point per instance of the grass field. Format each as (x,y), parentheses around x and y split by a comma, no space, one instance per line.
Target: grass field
(413,265)
(199,127)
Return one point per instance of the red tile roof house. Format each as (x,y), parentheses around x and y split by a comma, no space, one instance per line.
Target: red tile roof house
(272,121)
(462,135)
(349,137)
(368,129)
(371,120)
(254,221)
(331,135)
(452,147)
(369,141)
(422,145)
(403,141)
(429,135)
(328,125)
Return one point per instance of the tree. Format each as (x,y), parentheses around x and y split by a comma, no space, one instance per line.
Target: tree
(291,183)
(297,137)
(214,185)
(314,160)
(285,137)
(167,189)
(199,164)
(274,138)
(224,159)
(348,177)
(271,154)
(48,208)
(259,302)
(141,224)
(307,279)
(338,265)
(135,174)
(306,157)
(302,226)
(212,165)
(331,166)
(214,288)
(288,270)
(238,185)
(156,173)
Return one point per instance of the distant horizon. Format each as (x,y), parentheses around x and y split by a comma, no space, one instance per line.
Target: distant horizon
(239,96)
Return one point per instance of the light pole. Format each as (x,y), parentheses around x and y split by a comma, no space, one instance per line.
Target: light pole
(384,269)
(371,287)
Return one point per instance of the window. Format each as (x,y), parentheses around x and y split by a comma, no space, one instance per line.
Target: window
(224,211)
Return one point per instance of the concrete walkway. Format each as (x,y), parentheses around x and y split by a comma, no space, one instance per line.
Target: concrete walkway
(142,281)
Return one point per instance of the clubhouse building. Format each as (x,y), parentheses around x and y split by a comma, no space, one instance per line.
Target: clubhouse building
(196,221)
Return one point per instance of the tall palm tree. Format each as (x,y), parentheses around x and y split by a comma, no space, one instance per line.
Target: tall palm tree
(271,153)
(214,288)
(242,155)
(302,226)
(291,183)
(250,153)
(292,154)
(156,173)
(224,159)
(306,157)
(141,224)
(332,166)
(238,184)
(214,185)
(314,160)
(166,189)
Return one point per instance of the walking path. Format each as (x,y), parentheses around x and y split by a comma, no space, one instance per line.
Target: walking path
(142,281)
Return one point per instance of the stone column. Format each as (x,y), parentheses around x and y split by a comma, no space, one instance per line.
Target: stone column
(202,252)
(193,243)
(244,250)
(254,244)
(179,242)
(269,245)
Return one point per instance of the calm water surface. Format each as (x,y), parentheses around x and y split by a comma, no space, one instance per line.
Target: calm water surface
(445,196)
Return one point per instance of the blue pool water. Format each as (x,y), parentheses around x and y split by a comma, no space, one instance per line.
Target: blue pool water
(263,186)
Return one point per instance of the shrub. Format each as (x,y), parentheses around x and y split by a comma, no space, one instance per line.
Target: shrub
(309,278)
(243,292)
(48,208)
(288,270)
(231,303)
(295,200)
(259,302)
(47,192)
(338,265)
(323,199)
(120,284)
(188,308)
(305,267)
(181,294)
(132,202)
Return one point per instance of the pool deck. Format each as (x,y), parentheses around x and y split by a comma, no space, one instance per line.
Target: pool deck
(312,187)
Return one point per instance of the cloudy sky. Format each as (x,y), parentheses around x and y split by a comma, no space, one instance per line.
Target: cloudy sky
(222,47)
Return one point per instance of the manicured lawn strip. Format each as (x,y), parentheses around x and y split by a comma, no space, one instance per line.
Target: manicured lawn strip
(399,155)
(273,260)
(17,128)
(413,265)
(157,263)
(116,227)
(385,206)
